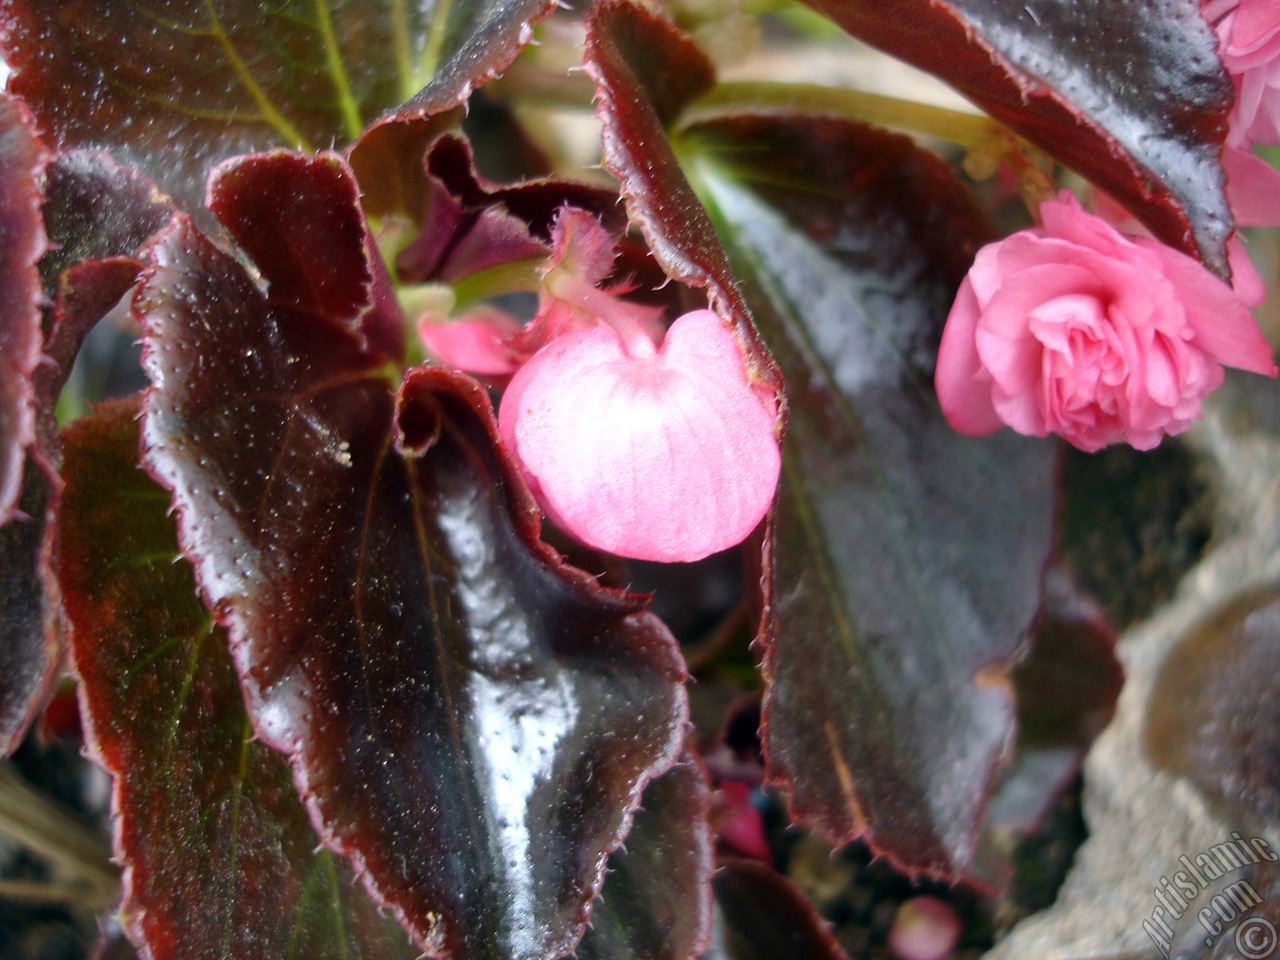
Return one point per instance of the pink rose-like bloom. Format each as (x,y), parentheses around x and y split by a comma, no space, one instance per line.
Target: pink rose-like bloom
(1076,329)
(654,452)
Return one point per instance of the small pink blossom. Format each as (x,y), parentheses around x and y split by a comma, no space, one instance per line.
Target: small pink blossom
(924,928)
(654,452)
(1075,329)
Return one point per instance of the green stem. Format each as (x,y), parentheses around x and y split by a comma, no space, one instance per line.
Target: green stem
(400,48)
(338,71)
(966,129)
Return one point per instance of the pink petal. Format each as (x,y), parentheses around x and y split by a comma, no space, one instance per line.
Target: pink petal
(1256,22)
(1224,327)
(582,246)
(738,823)
(1253,188)
(1244,275)
(1008,348)
(668,457)
(963,385)
(480,345)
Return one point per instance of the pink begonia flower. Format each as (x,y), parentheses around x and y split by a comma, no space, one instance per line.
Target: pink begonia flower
(654,452)
(649,443)
(1075,329)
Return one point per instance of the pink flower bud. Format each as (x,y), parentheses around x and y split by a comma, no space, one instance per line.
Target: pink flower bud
(1075,329)
(925,928)
(653,452)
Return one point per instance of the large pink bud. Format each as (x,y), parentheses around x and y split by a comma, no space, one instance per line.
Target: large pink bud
(654,452)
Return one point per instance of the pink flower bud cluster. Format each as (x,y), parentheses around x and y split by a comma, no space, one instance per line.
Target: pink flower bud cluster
(648,443)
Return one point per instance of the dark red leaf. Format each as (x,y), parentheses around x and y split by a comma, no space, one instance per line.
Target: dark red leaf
(421,177)
(289,213)
(482,38)
(469,720)
(98,214)
(218,853)
(389,162)
(907,561)
(28,645)
(22,242)
(1129,93)
(92,209)
(763,916)
(27,653)
(1215,710)
(95,209)
(180,84)
(627,47)
(656,901)
(901,595)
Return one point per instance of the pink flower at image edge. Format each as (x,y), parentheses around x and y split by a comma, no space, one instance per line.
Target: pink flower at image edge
(1076,329)
(1249,45)
(652,452)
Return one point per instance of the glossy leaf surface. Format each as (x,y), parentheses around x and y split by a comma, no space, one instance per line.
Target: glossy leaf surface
(1215,711)
(95,209)
(469,720)
(219,855)
(899,592)
(178,85)
(28,651)
(1129,93)
(291,215)
(22,241)
(94,214)
(24,655)
(656,900)
(908,559)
